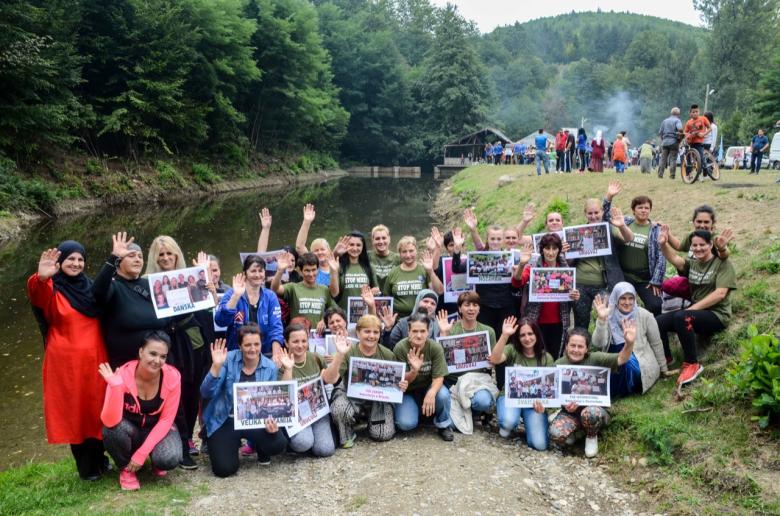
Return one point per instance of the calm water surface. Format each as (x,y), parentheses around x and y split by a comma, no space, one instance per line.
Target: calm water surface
(224,226)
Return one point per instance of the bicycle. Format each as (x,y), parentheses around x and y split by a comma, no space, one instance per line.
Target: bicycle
(691,162)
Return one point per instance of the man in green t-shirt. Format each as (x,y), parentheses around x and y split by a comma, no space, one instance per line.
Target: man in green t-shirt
(307,298)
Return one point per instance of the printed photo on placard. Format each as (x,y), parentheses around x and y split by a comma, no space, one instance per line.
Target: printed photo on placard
(317,343)
(584,385)
(466,352)
(330,344)
(526,385)
(217,327)
(588,240)
(356,308)
(270,258)
(551,284)
(484,267)
(454,284)
(180,291)
(538,236)
(375,380)
(254,402)
(312,405)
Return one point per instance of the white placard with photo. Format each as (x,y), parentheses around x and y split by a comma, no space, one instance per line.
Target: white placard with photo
(551,284)
(588,240)
(330,343)
(526,385)
(375,380)
(488,267)
(584,385)
(181,291)
(312,405)
(466,352)
(254,402)
(356,307)
(454,284)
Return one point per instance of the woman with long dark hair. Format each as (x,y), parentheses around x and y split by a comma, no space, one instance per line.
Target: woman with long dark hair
(355,269)
(526,350)
(582,147)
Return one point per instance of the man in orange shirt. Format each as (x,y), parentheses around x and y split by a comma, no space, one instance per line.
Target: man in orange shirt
(696,128)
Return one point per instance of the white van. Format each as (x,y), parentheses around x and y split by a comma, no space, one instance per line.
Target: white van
(774,152)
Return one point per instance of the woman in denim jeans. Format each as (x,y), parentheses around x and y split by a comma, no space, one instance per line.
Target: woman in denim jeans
(527,350)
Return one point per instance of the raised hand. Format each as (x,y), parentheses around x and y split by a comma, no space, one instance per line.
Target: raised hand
(415,359)
(526,252)
(437,238)
(203,259)
(333,262)
(600,303)
(239,284)
(342,344)
(283,261)
(105,371)
(444,324)
(663,235)
(426,260)
(271,426)
(614,188)
(458,239)
(629,330)
(308,213)
(368,295)
(529,212)
(265,218)
(286,359)
(722,240)
(470,219)
(219,353)
(341,246)
(387,317)
(617,219)
(510,326)
(48,265)
(120,244)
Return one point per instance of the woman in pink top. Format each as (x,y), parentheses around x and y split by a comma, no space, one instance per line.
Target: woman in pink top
(142,398)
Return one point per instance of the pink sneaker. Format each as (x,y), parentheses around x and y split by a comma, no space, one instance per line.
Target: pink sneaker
(128,481)
(159,473)
(246,450)
(689,373)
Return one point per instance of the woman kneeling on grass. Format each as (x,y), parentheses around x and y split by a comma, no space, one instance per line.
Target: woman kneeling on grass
(573,417)
(527,350)
(245,364)
(142,398)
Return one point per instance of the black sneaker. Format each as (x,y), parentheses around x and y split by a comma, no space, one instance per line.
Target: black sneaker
(263,460)
(446,434)
(186,462)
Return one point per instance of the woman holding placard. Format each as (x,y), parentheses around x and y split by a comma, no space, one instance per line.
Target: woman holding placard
(591,419)
(553,318)
(406,280)
(304,367)
(246,364)
(647,362)
(526,350)
(62,300)
(347,411)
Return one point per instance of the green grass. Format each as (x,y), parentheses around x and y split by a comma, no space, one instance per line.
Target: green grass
(54,488)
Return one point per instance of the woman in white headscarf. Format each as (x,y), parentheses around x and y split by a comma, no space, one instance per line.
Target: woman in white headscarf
(597,155)
(647,361)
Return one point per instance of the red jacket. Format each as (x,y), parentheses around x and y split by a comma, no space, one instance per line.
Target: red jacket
(560,141)
(124,381)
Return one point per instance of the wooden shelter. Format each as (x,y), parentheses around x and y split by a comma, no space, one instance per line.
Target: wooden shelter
(457,152)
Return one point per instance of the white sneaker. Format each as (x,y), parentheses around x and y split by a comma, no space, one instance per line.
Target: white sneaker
(591,447)
(503,432)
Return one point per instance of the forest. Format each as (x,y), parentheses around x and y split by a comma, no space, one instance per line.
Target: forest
(360,81)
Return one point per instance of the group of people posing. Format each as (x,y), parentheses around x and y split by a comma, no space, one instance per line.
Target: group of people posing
(118,378)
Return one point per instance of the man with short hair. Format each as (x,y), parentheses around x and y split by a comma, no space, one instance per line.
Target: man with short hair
(560,146)
(542,144)
(758,145)
(696,130)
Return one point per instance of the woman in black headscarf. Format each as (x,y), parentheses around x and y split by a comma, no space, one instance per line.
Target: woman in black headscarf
(61,296)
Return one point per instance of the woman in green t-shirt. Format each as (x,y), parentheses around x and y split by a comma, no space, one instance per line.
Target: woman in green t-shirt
(711,280)
(527,350)
(573,417)
(355,269)
(406,280)
(302,365)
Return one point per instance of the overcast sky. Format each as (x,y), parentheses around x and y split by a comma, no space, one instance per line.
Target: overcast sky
(489,14)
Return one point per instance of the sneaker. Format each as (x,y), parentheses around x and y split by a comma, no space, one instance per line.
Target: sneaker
(246,450)
(446,434)
(350,442)
(263,460)
(186,462)
(204,448)
(591,446)
(128,481)
(503,432)
(159,473)
(192,449)
(689,373)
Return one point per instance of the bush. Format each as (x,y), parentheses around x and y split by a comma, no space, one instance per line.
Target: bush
(757,374)
(204,174)
(18,193)
(559,205)
(167,175)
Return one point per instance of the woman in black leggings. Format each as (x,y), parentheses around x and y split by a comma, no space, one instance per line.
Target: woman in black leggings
(711,280)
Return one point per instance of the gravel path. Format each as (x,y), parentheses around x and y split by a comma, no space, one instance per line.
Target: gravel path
(416,473)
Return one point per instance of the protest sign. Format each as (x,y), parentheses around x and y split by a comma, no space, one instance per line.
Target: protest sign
(181,291)
(487,267)
(254,402)
(551,284)
(375,380)
(526,385)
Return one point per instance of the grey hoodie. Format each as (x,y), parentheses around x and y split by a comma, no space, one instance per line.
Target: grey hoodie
(401,328)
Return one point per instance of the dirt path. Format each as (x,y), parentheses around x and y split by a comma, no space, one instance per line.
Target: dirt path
(417,474)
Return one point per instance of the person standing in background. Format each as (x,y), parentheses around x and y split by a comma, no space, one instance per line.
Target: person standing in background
(758,145)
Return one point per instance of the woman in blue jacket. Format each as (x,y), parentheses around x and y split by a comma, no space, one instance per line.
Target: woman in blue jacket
(248,301)
(582,147)
(245,364)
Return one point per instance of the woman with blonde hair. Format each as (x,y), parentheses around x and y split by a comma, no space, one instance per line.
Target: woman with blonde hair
(408,278)
(164,255)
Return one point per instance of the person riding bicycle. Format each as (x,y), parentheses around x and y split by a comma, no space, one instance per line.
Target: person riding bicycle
(696,130)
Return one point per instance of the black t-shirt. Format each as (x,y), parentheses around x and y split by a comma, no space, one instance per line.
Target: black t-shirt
(246,377)
(146,414)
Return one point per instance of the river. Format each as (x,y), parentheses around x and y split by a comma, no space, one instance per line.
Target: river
(224,225)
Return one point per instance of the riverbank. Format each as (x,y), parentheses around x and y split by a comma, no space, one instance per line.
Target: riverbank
(78,184)
(704,454)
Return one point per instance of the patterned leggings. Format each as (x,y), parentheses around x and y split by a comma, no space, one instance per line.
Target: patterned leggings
(122,440)
(346,412)
(589,419)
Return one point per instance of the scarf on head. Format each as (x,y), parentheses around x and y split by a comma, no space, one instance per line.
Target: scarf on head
(616,317)
(598,137)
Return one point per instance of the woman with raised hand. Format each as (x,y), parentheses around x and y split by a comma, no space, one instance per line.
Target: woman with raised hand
(307,298)
(355,269)
(406,280)
(647,362)
(573,417)
(526,350)
(704,219)
(245,364)
(426,369)
(553,318)
(319,246)
(348,412)
(141,401)
(62,300)
(711,280)
(302,365)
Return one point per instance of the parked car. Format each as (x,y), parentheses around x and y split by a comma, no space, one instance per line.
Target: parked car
(774,152)
(736,154)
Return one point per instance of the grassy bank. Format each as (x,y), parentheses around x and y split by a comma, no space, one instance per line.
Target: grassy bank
(701,454)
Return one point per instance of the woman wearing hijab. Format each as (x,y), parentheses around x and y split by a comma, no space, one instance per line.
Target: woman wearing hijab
(647,362)
(597,156)
(61,296)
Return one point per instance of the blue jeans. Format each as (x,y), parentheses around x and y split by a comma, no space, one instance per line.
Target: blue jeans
(535,423)
(481,401)
(407,413)
(543,157)
(620,167)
